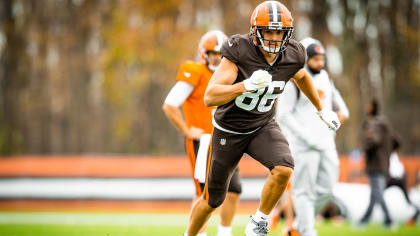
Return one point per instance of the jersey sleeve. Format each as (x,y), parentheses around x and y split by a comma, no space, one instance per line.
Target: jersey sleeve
(230,49)
(179,93)
(189,72)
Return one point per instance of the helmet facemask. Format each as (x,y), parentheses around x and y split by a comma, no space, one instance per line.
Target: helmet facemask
(211,66)
(274,46)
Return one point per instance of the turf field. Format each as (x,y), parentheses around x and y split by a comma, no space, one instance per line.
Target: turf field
(114,224)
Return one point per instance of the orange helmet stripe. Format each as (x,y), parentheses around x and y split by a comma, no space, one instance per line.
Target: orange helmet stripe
(261,15)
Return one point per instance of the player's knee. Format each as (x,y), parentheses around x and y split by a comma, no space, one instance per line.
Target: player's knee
(282,173)
(235,188)
(216,200)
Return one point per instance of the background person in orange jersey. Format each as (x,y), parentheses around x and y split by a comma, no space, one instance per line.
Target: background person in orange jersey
(252,74)
(192,81)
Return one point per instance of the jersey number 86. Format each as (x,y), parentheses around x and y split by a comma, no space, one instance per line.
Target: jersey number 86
(256,98)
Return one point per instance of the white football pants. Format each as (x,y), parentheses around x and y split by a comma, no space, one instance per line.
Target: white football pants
(314,175)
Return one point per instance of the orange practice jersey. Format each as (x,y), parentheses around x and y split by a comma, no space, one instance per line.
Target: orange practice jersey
(195,112)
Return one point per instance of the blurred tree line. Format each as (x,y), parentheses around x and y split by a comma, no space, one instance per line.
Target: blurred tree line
(90,76)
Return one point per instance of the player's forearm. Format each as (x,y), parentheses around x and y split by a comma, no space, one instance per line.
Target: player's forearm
(306,85)
(175,117)
(219,94)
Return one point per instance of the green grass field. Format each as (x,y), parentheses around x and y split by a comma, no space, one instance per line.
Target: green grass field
(110,224)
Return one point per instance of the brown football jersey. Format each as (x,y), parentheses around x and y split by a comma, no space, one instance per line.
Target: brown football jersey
(250,111)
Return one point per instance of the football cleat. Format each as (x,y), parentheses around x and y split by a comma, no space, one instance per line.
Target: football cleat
(255,228)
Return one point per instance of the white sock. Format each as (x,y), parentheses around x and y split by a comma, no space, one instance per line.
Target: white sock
(223,230)
(259,216)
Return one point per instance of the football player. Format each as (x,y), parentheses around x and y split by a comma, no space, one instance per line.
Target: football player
(312,146)
(253,72)
(188,92)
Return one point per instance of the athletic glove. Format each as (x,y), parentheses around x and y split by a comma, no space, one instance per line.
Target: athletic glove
(330,119)
(259,79)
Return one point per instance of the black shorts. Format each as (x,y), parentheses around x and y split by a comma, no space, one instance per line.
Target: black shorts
(266,145)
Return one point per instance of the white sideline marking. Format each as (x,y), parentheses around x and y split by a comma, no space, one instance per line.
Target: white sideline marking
(50,218)
(109,188)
